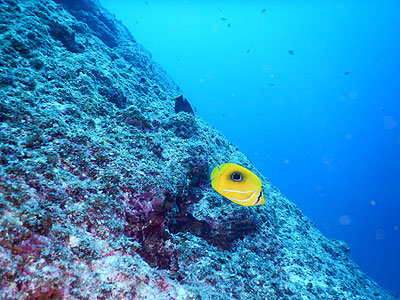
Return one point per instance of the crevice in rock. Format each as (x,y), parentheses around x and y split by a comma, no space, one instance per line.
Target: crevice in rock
(66,37)
(219,233)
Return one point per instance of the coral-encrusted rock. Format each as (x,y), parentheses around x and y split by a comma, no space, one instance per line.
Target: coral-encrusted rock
(103,188)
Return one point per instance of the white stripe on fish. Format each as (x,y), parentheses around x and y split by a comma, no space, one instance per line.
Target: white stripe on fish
(240,200)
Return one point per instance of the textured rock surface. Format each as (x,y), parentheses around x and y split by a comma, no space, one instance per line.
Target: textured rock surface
(103,188)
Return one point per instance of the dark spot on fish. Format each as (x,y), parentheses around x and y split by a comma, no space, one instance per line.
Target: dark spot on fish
(229,24)
(263,10)
(291,52)
(223,19)
(346,73)
(181,104)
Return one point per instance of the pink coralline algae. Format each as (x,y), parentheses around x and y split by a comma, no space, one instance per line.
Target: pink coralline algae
(36,278)
(104,188)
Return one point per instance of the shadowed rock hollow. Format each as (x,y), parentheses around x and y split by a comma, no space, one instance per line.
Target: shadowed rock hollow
(103,187)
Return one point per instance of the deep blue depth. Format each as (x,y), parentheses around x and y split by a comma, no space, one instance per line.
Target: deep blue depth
(309,91)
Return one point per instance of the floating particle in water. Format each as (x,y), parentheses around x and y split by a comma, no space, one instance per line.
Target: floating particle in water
(373,203)
(248,51)
(382,109)
(353,95)
(344,220)
(361,166)
(328,158)
(291,52)
(380,234)
(346,73)
(223,19)
(229,25)
(271,84)
(263,10)
(389,122)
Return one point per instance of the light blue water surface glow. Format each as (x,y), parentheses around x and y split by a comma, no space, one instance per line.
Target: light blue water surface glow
(321,123)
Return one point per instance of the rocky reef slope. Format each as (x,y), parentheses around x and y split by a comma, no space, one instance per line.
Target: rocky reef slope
(103,187)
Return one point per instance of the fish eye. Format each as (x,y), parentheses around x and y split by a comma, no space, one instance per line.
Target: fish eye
(236,176)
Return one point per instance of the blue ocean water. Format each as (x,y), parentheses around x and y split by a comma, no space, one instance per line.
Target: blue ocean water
(309,91)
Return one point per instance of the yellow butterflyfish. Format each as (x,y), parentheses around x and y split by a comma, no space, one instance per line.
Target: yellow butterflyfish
(237,184)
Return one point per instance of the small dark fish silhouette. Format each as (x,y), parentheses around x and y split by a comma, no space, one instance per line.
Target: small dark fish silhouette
(229,24)
(271,84)
(181,104)
(248,51)
(263,10)
(291,52)
(346,73)
(223,19)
